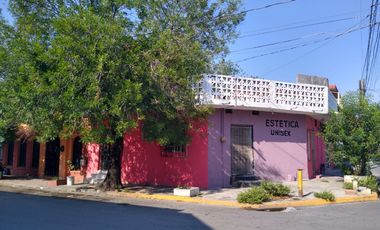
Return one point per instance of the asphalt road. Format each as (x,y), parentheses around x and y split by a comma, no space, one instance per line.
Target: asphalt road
(19,211)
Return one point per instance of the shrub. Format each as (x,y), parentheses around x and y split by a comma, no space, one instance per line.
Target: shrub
(255,195)
(348,185)
(325,195)
(369,182)
(275,189)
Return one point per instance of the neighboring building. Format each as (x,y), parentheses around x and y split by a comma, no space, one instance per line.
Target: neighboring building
(259,128)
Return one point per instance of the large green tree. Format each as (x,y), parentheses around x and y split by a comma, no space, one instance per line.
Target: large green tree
(97,67)
(353,134)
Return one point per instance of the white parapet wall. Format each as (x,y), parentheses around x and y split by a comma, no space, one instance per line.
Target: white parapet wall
(221,91)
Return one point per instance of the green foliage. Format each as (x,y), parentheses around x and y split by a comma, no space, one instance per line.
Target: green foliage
(225,67)
(348,185)
(97,67)
(325,195)
(255,195)
(70,165)
(353,134)
(369,182)
(275,189)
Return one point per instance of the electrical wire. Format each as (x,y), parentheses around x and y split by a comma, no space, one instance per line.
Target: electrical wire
(281,42)
(297,27)
(311,51)
(370,62)
(266,7)
(303,45)
(308,21)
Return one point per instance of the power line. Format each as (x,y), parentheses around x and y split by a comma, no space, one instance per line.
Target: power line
(290,40)
(370,61)
(303,45)
(297,27)
(311,51)
(279,42)
(295,59)
(308,21)
(267,6)
(253,9)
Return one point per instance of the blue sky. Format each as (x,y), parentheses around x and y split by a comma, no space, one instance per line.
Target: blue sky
(340,59)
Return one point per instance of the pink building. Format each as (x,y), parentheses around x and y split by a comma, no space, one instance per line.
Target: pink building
(258,129)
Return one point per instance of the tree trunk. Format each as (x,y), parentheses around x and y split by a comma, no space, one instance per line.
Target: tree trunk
(363,166)
(113,178)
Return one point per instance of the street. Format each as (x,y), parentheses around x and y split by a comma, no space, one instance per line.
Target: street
(20,211)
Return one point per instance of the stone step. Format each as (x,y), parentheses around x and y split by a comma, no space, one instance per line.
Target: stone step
(245,178)
(246,183)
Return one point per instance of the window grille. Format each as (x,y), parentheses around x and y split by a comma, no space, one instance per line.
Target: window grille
(176,151)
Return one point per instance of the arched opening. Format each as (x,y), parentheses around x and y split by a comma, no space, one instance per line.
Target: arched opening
(77,153)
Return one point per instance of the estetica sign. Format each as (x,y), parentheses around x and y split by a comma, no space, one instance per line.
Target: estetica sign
(279,127)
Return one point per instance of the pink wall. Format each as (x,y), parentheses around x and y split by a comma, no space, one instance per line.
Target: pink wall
(208,161)
(275,157)
(142,162)
(320,156)
(92,152)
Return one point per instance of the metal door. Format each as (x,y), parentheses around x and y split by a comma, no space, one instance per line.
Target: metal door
(241,150)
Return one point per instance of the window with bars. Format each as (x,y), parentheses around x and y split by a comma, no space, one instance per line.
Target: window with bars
(178,151)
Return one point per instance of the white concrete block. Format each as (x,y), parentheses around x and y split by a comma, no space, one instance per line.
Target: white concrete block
(364,191)
(189,192)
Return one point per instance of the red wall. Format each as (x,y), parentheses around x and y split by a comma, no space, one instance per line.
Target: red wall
(15,169)
(142,162)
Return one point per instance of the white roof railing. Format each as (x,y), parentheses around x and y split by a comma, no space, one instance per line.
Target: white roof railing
(221,91)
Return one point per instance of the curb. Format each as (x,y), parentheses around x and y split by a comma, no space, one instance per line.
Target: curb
(225,203)
(265,206)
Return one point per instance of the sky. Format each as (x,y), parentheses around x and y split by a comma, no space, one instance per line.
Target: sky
(340,59)
(334,48)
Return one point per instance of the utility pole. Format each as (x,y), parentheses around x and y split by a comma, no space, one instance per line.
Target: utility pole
(362,87)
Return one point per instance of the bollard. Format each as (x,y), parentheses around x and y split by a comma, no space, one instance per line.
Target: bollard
(300,184)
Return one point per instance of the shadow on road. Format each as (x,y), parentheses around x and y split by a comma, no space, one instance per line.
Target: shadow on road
(20,211)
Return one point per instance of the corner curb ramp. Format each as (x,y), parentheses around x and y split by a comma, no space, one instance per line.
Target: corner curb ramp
(264,206)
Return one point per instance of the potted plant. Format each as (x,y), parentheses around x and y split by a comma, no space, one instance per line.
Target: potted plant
(70,178)
(77,174)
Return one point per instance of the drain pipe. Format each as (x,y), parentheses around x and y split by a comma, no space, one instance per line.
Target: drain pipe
(222,140)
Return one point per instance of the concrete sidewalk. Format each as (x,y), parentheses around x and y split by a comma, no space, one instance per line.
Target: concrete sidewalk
(224,197)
